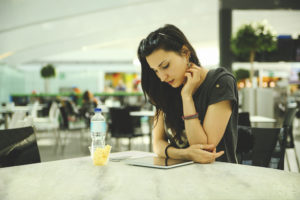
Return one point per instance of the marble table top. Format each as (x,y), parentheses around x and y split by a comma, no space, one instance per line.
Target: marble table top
(79,179)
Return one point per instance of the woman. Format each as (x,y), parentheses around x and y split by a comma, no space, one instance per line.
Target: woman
(196,109)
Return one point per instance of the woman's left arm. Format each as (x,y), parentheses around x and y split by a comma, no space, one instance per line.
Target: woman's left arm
(216,120)
(214,125)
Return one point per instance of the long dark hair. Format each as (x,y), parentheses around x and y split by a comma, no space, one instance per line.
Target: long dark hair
(164,97)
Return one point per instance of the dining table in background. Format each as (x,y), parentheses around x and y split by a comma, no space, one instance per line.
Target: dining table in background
(261,121)
(8,111)
(78,178)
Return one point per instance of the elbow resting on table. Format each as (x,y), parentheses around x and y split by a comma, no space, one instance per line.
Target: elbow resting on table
(157,149)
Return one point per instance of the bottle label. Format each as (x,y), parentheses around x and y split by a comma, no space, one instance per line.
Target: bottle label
(98,126)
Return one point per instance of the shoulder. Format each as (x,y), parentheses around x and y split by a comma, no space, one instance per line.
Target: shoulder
(223,87)
(221,76)
(220,72)
(226,80)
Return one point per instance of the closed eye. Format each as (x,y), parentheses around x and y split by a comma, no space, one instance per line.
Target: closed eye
(166,66)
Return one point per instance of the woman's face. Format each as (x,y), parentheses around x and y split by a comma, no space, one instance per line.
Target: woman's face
(169,66)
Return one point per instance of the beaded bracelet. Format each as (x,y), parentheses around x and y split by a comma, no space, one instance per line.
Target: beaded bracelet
(166,151)
(194,116)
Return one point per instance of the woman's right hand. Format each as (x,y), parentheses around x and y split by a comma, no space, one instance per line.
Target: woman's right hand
(203,153)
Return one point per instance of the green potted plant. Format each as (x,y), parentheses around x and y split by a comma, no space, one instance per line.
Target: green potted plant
(47,72)
(241,74)
(252,38)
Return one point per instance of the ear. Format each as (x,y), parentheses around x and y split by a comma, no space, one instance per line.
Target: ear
(185,52)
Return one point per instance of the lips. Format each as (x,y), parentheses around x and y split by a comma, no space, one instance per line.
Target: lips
(171,82)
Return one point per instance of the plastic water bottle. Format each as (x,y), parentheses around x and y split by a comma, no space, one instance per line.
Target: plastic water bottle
(98,130)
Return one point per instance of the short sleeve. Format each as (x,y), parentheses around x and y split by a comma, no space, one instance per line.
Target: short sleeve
(223,89)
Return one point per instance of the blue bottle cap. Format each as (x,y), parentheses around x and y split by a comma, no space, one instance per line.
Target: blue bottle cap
(97,109)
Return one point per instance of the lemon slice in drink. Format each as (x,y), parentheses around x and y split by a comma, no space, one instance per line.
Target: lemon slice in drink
(101,155)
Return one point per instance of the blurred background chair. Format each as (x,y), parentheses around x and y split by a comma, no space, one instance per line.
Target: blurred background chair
(244,119)
(136,121)
(34,109)
(245,137)
(51,121)
(121,125)
(50,124)
(288,120)
(17,116)
(269,148)
(18,147)
(26,121)
(287,156)
(265,140)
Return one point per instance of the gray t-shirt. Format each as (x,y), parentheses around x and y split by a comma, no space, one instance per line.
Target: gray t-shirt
(219,85)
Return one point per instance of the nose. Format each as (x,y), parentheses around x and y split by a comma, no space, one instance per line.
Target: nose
(162,76)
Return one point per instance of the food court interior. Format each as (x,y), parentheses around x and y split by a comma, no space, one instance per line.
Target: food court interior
(56,65)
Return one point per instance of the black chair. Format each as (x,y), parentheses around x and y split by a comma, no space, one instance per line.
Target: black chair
(281,147)
(121,124)
(244,119)
(245,137)
(18,147)
(137,119)
(269,145)
(264,146)
(265,140)
(298,111)
(288,120)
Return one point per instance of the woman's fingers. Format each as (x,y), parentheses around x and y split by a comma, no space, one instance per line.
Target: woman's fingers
(220,153)
(193,70)
(188,76)
(203,156)
(213,156)
(209,147)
